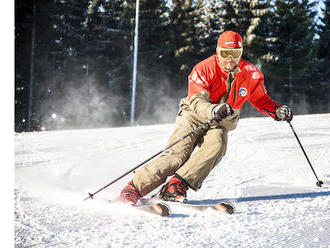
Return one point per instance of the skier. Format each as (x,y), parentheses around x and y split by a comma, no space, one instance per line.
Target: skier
(217,88)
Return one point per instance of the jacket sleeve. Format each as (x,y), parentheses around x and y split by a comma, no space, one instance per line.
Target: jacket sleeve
(198,94)
(260,100)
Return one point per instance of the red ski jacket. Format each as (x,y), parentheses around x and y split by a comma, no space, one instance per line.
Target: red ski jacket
(248,85)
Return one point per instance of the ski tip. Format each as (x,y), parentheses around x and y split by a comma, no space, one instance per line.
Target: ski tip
(225,207)
(162,209)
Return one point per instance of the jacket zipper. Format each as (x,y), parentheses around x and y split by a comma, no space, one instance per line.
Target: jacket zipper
(234,96)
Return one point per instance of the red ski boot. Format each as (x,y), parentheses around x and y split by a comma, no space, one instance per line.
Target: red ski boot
(130,194)
(175,190)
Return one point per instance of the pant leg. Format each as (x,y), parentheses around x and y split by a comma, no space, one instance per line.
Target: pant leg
(155,173)
(200,164)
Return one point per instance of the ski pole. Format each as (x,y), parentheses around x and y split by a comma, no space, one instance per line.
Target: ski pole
(204,126)
(319,182)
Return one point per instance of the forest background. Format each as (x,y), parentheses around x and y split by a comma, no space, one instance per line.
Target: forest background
(74,59)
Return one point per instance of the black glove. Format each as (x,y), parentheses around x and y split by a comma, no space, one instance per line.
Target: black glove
(284,113)
(221,111)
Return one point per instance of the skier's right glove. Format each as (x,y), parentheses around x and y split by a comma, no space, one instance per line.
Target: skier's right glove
(221,111)
(284,113)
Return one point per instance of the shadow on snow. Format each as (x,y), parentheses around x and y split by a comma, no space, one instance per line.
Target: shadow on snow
(264,198)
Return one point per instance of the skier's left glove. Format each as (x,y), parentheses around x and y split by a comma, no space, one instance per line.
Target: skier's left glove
(284,113)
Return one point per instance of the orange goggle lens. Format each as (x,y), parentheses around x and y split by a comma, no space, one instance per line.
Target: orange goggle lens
(235,53)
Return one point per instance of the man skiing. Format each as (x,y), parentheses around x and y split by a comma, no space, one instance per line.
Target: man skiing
(217,88)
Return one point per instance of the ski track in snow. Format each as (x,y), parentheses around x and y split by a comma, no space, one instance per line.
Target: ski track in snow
(264,173)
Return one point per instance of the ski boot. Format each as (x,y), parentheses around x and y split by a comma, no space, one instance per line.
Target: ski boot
(174,190)
(130,194)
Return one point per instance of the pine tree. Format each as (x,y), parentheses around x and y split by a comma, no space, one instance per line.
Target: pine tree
(23,36)
(239,15)
(208,29)
(319,92)
(257,9)
(324,42)
(83,61)
(109,32)
(92,59)
(181,41)
(215,17)
(283,44)
(60,61)
(228,16)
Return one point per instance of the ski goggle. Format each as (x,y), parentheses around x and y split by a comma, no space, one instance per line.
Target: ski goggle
(233,52)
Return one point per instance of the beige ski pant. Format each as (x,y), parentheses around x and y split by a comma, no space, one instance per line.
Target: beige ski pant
(181,159)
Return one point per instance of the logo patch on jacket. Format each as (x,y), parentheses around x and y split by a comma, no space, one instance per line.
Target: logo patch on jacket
(242,92)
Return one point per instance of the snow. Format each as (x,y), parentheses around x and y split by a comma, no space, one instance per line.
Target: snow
(264,173)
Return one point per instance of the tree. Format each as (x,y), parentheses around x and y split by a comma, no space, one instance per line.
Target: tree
(87,64)
(109,33)
(239,15)
(319,77)
(59,58)
(324,43)
(181,40)
(23,37)
(283,44)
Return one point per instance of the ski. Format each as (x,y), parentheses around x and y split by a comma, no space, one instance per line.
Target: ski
(157,208)
(223,207)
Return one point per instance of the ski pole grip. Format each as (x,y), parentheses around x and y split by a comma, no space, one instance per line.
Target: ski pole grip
(207,125)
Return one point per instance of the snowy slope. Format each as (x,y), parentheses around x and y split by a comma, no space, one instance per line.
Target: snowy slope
(264,173)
